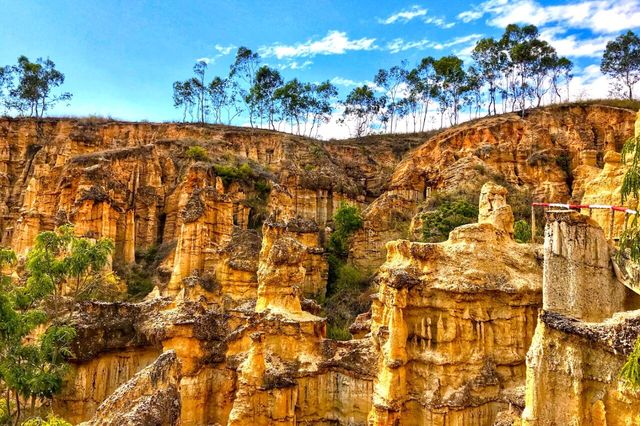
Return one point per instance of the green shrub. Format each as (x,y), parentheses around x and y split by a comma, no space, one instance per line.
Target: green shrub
(338,333)
(347,219)
(630,372)
(347,286)
(139,283)
(258,203)
(197,153)
(230,173)
(522,231)
(51,420)
(347,297)
(449,215)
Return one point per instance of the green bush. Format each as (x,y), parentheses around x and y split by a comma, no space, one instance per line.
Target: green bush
(630,372)
(51,420)
(338,333)
(230,173)
(197,153)
(258,203)
(522,231)
(346,220)
(139,283)
(447,216)
(346,285)
(346,298)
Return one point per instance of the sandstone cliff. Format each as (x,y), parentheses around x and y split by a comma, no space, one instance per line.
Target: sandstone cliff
(234,246)
(549,154)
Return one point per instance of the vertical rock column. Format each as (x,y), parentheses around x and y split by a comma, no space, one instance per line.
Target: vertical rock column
(578,280)
(285,341)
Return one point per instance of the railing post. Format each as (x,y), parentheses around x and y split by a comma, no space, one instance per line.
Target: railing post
(611,224)
(533,224)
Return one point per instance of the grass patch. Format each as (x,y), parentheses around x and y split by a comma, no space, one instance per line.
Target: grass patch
(197,153)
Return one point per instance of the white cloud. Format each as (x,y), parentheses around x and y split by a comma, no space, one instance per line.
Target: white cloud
(404,15)
(413,12)
(600,16)
(438,22)
(570,45)
(334,43)
(400,45)
(295,65)
(347,82)
(224,50)
(589,83)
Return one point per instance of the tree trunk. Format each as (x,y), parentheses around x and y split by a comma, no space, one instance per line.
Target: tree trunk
(17,409)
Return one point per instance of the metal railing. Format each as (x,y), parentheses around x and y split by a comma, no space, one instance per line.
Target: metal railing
(613,209)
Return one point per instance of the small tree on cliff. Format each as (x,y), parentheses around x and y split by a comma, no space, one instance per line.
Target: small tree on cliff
(31,86)
(346,286)
(30,368)
(58,259)
(621,62)
(361,107)
(630,238)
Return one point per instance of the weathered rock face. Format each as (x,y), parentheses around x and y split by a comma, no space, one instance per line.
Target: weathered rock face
(583,335)
(264,361)
(135,184)
(453,325)
(523,150)
(551,154)
(229,337)
(151,397)
(572,372)
(578,279)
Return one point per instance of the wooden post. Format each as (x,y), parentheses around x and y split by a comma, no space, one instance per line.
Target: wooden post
(626,219)
(611,224)
(533,224)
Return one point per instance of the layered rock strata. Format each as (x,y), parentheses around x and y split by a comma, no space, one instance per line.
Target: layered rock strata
(453,325)
(586,331)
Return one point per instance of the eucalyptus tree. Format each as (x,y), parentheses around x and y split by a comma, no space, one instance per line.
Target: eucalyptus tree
(490,60)
(30,369)
(261,98)
(294,100)
(423,88)
(560,73)
(452,84)
(361,107)
(621,63)
(200,88)
(224,100)
(184,97)
(322,98)
(473,91)
(391,81)
(31,86)
(543,58)
(242,74)
(520,43)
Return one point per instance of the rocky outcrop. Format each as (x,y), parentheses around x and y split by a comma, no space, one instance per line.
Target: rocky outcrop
(151,397)
(453,325)
(583,335)
(538,150)
(549,154)
(235,247)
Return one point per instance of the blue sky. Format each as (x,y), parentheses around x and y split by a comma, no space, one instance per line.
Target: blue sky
(121,57)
